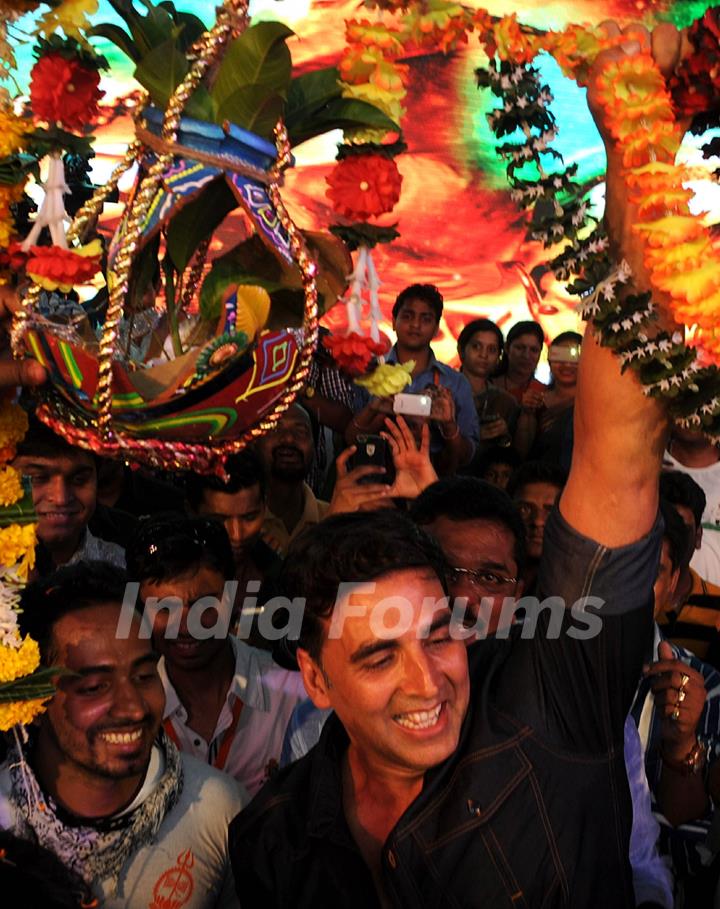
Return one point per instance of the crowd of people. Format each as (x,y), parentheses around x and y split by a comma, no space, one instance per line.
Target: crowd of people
(465,657)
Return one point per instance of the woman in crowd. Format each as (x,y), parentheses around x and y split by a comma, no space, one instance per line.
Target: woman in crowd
(516,372)
(480,347)
(554,419)
(516,376)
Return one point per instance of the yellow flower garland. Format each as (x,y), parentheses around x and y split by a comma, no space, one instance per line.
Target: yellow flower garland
(11,488)
(14,713)
(18,662)
(17,548)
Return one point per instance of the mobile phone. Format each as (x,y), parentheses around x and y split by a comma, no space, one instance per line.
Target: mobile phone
(373,451)
(414,405)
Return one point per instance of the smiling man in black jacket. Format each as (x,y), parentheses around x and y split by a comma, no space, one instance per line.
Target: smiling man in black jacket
(492,779)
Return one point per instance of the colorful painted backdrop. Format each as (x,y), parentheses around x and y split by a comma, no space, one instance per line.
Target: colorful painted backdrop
(459,229)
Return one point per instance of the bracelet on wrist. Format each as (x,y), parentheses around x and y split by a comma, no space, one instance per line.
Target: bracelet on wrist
(693,762)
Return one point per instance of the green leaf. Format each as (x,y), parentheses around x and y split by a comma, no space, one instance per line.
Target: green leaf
(15,167)
(192,27)
(161,71)
(338,113)
(361,234)
(200,105)
(117,36)
(37,685)
(41,142)
(144,274)
(148,32)
(310,92)
(197,220)
(253,109)
(251,262)
(259,57)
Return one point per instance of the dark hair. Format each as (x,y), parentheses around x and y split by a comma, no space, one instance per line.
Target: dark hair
(574,336)
(426,293)
(30,869)
(471,499)
(677,534)
(244,470)
(472,328)
(346,549)
(527,327)
(41,442)
(537,472)
(679,488)
(498,454)
(69,589)
(171,545)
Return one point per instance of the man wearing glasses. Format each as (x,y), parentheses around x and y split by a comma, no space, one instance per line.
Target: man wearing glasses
(481,536)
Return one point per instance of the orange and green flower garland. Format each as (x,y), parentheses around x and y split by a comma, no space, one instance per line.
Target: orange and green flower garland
(24,687)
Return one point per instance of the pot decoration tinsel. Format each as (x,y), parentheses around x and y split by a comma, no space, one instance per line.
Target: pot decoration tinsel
(186,355)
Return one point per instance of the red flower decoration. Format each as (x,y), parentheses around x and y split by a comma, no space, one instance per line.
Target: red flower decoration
(53,267)
(64,92)
(695,87)
(13,257)
(353,353)
(364,185)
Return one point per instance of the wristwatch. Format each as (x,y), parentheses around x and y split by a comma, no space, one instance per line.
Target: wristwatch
(693,762)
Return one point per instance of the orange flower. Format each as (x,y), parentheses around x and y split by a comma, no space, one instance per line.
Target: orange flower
(353,353)
(362,186)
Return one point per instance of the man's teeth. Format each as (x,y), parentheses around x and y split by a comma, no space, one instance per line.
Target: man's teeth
(420,719)
(122,738)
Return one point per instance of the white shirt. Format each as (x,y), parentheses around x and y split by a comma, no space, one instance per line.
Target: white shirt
(247,741)
(187,865)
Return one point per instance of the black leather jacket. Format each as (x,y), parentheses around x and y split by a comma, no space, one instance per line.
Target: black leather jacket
(532,810)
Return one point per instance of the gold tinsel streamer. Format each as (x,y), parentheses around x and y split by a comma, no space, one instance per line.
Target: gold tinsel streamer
(232,19)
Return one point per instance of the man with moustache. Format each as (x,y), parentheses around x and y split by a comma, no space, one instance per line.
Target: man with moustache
(98,784)
(287,453)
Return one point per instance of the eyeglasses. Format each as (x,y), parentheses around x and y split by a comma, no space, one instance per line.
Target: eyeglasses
(480,578)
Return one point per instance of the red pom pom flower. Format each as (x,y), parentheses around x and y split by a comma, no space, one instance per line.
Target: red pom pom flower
(362,186)
(55,268)
(353,353)
(64,92)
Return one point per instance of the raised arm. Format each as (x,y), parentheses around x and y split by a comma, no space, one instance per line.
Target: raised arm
(611,495)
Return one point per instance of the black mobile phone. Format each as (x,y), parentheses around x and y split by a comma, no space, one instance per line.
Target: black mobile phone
(373,451)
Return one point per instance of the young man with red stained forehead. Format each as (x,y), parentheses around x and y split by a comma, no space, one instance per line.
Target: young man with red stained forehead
(501,783)
(98,784)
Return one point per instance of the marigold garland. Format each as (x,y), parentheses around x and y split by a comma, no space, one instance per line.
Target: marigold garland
(16,662)
(14,713)
(11,487)
(679,255)
(17,547)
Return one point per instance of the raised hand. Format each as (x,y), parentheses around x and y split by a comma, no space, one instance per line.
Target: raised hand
(350,494)
(413,468)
